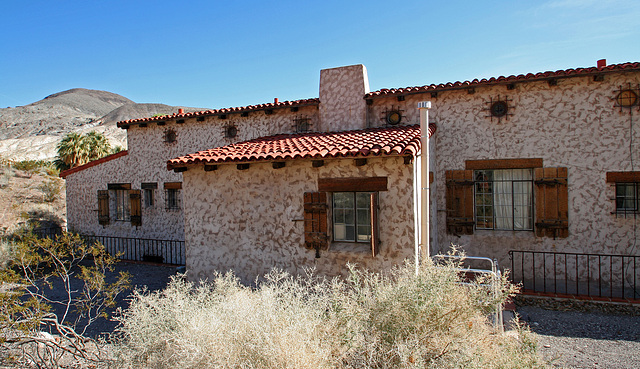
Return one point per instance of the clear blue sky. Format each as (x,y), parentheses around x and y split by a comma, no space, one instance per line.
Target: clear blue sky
(214,54)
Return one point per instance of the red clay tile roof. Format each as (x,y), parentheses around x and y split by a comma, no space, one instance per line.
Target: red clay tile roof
(240,109)
(402,140)
(510,79)
(90,164)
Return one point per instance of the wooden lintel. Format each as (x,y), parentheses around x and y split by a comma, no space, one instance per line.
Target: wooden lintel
(360,162)
(317,163)
(352,184)
(503,164)
(180,169)
(242,166)
(173,185)
(119,186)
(278,164)
(210,168)
(619,177)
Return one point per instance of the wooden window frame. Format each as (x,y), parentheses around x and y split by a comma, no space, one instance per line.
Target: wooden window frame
(630,178)
(550,196)
(370,210)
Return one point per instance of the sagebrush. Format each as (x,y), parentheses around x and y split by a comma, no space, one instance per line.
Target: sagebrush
(401,319)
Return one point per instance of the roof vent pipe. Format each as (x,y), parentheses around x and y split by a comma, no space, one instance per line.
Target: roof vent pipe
(275,100)
(602,63)
(180,111)
(423,249)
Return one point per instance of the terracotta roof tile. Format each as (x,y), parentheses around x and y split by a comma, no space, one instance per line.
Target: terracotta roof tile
(508,79)
(239,109)
(402,140)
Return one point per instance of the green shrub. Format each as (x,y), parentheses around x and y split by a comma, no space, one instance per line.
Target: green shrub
(50,190)
(32,165)
(402,319)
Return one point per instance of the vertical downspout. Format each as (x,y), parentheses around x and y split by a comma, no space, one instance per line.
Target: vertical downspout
(424,107)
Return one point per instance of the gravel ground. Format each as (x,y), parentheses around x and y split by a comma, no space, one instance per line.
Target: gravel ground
(574,339)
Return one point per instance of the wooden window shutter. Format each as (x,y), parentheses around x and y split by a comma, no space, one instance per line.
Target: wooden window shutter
(460,201)
(315,221)
(136,207)
(552,202)
(375,240)
(103,207)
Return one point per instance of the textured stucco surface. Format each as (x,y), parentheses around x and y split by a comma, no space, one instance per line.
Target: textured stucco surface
(251,220)
(146,162)
(342,106)
(574,124)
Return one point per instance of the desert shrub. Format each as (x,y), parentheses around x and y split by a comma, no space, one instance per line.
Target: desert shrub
(401,319)
(52,290)
(50,190)
(32,165)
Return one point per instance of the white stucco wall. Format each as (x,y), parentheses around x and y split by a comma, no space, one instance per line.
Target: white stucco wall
(146,162)
(251,220)
(574,124)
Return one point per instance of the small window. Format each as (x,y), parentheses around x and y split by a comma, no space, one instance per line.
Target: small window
(627,198)
(148,198)
(504,199)
(122,205)
(172,199)
(352,216)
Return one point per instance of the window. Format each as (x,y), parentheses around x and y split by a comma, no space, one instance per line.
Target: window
(352,216)
(148,198)
(354,213)
(508,194)
(504,199)
(148,191)
(122,205)
(172,195)
(627,197)
(627,191)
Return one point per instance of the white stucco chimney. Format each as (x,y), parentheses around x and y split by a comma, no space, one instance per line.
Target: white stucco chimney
(342,103)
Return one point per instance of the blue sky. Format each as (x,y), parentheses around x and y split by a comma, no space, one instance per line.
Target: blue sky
(214,54)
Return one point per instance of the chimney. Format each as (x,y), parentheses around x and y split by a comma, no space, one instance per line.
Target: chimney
(180,111)
(602,63)
(275,100)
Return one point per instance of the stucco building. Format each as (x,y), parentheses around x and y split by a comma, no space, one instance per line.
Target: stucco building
(536,162)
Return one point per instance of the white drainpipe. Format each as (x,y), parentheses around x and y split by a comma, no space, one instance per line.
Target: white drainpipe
(424,107)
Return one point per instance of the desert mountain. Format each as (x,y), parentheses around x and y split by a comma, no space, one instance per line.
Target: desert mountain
(33,131)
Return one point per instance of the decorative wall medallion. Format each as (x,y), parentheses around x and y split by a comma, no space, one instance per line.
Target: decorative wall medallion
(301,124)
(500,108)
(230,131)
(169,136)
(627,98)
(392,117)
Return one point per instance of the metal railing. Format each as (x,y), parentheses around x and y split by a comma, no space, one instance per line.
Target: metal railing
(596,275)
(471,274)
(142,249)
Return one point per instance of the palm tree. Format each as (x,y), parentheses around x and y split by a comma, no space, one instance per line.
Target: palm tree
(76,149)
(98,145)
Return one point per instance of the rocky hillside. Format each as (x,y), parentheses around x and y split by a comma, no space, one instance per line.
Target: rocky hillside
(33,131)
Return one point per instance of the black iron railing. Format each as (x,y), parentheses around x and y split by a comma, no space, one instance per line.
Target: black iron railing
(142,249)
(597,275)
